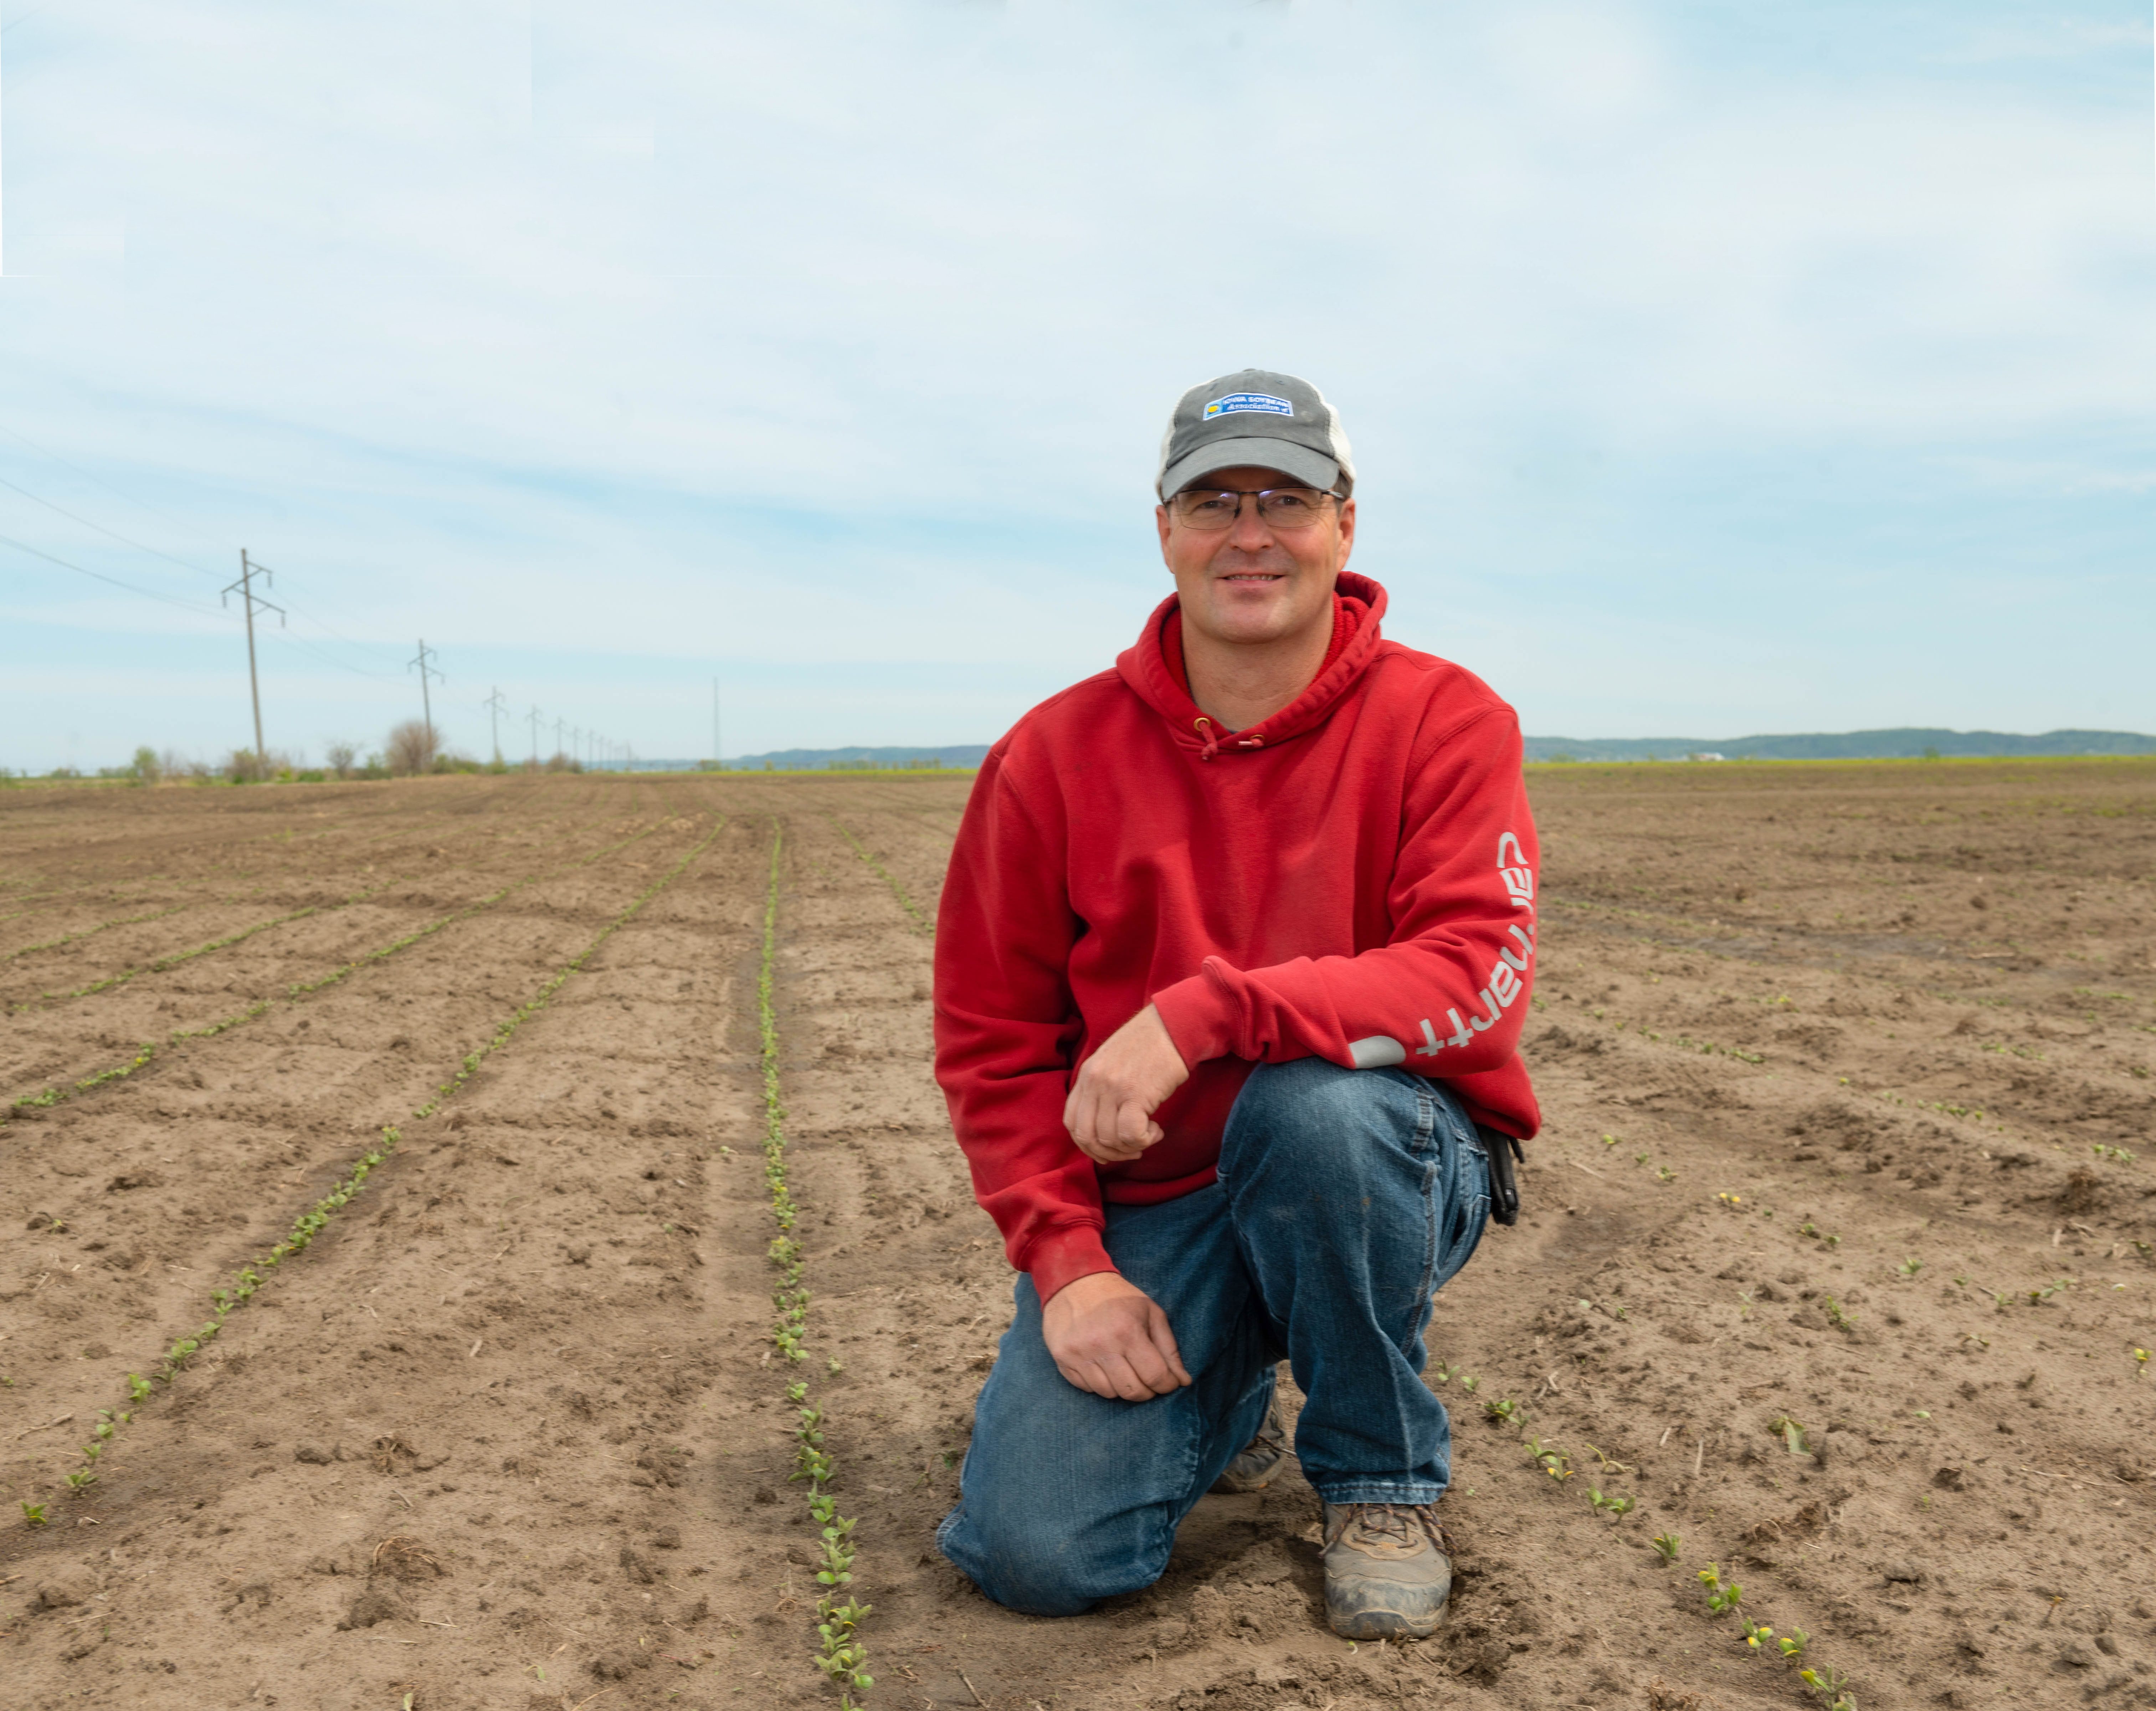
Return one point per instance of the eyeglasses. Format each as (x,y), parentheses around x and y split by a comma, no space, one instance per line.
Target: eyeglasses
(1278,507)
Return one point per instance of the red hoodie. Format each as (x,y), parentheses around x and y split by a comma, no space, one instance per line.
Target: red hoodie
(1352,879)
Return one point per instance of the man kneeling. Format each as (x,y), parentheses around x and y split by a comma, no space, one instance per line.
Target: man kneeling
(1230,966)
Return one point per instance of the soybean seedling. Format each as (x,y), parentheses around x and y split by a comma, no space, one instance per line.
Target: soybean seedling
(1615,1508)
(1551,1459)
(1610,1140)
(33,1514)
(1666,1546)
(1793,1642)
(138,1388)
(1469,1383)
(1507,1412)
(1609,1464)
(1664,1174)
(1792,1435)
(1831,1686)
(1837,1316)
(1444,1373)
(1723,1597)
(1910,1266)
(79,1481)
(1756,1634)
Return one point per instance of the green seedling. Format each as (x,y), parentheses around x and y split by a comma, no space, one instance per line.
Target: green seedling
(1610,1140)
(2140,1361)
(1792,1644)
(1831,1686)
(2117,1155)
(1446,1374)
(1756,1634)
(1744,1304)
(1615,1508)
(79,1481)
(1664,1174)
(1667,1544)
(1641,1157)
(2037,1296)
(1837,1315)
(1468,1382)
(33,1514)
(1551,1459)
(1609,1464)
(1910,1266)
(1723,1597)
(1792,1435)
(1507,1412)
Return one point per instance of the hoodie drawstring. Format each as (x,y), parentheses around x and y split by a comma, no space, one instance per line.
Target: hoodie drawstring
(1203,727)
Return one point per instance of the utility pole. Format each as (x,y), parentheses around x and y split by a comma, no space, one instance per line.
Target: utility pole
(558,723)
(426,701)
(248,599)
(535,734)
(497,703)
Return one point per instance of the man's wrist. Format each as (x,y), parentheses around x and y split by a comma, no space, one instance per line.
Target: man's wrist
(1200,1016)
(1062,1256)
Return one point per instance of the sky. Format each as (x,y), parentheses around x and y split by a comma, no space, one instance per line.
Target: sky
(1712,368)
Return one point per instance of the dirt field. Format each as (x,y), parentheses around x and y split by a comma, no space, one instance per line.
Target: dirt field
(1833,1266)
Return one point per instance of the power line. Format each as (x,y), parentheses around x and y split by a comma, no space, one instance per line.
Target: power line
(72,517)
(65,564)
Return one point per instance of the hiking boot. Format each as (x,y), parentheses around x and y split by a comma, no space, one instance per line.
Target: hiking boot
(1388,1571)
(1259,1459)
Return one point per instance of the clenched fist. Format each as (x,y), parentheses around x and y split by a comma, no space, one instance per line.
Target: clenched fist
(1110,1110)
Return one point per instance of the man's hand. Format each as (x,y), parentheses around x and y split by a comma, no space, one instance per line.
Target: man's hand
(1110,1110)
(1109,1336)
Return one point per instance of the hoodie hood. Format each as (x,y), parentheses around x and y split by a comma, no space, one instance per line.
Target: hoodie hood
(1144,669)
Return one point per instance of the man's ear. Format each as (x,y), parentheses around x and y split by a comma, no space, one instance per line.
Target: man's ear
(1160,521)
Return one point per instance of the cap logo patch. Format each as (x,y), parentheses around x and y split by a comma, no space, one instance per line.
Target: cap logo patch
(1238,402)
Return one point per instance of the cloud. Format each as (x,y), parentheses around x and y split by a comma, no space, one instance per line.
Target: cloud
(842,333)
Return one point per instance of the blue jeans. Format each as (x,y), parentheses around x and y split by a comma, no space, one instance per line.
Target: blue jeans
(1345,1199)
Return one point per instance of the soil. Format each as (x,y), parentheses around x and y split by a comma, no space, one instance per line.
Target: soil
(1834,1263)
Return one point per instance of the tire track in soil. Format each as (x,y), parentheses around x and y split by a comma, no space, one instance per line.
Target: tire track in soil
(140,1207)
(569,1170)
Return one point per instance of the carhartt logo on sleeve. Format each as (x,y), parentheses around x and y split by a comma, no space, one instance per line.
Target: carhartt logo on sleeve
(1237,402)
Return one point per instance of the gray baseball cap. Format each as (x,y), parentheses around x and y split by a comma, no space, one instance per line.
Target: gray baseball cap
(1274,421)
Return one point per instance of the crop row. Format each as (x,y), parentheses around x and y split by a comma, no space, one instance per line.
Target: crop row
(149,1051)
(921,923)
(251,1278)
(840,1652)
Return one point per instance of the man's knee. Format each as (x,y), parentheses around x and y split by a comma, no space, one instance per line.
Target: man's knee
(1317,1108)
(1020,1557)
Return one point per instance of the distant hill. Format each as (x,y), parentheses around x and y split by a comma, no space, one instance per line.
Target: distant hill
(962,755)
(1909,743)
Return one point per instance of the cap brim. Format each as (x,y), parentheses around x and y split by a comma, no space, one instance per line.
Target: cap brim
(1312,468)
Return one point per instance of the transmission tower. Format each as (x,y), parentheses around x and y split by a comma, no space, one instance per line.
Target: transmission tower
(496,704)
(248,600)
(535,735)
(426,669)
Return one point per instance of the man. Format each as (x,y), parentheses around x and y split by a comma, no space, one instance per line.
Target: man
(1230,967)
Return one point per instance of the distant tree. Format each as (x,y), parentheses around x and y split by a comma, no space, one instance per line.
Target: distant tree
(411,748)
(341,755)
(146,768)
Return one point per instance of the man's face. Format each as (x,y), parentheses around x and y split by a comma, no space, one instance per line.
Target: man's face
(1252,581)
